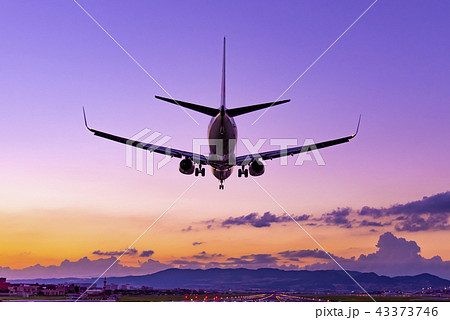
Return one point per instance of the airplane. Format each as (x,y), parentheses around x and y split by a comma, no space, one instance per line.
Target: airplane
(222,128)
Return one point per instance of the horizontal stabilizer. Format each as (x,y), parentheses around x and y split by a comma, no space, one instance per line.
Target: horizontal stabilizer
(243,110)
(202,109)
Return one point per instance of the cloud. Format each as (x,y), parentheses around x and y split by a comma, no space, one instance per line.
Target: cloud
(430,213)
(257,221)
(146,253)
(254,259)
(394,257)
(345,218)
(338,217)
(251,261)
(129,252)
(187,264)
(373,212)
(197,243)
(84,268)
(436,204)
(294,255)
(206,256)
(416,222)
(365,223)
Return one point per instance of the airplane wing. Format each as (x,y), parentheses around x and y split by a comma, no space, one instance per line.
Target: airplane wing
(148,146)
(269,155)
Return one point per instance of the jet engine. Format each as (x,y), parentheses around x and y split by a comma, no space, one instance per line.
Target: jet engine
(187,166)
(256,168)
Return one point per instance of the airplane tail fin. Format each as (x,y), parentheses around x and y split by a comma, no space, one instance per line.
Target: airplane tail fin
(243,110)
(202,109)
(230,112)
(222,96)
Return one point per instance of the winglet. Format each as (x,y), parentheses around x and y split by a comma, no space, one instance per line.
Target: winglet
(85,121)
(357,128)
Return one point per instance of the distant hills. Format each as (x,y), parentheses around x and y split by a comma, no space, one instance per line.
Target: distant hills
(266,280)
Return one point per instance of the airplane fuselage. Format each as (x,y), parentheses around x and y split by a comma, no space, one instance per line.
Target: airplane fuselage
(222,136)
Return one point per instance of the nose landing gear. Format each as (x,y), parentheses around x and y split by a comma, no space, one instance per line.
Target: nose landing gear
(221,186)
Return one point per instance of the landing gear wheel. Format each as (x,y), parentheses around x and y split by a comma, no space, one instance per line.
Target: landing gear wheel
(243,172)
(200,171)
(221,185)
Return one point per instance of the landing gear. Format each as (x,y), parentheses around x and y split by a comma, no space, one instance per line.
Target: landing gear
(200,170)
(221,185)
(243,172)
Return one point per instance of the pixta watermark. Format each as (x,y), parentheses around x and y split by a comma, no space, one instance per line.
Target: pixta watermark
(141,149)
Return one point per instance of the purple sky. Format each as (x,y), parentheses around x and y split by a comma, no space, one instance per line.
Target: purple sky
(392,67)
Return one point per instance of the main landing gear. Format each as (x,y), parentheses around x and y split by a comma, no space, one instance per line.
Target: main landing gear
(243,172)
(200,170)
(221,186)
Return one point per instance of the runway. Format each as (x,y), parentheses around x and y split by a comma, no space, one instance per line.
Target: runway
(271,297)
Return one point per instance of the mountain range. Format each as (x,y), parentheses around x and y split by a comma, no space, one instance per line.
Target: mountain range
(265,279)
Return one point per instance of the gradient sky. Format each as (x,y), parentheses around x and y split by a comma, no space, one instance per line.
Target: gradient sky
(65,193)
